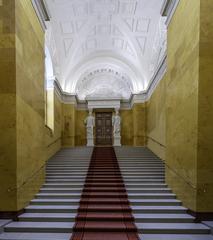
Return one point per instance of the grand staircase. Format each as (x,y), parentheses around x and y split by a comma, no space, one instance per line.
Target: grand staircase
(158,214)
(51,214)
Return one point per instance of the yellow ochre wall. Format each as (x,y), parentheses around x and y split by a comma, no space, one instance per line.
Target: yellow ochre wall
(80,129)
(175,123)
(156,120)
(180,111)
(205,110)
(68,125)
(8,149)
(25,142)
(73,128)
(29,102)
(182,102)
(53,139)
(133,125)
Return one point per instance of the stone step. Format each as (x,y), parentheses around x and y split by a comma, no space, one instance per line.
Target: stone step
(101,189)
(128,185)
(51,209)
(155,202)
(163,218)
(142,174)
(175,237)
(34,236)
(130,195)
(175,228)
(65,177)
(158,209)
(68,163)
(48,217)
(126,172)
(127,178)
(63,167)
(58,195)
(148,190)
(50,201)
(80,174)
(133,160)
(73,209)
(145,218)
(61,190)
(130,181)
(63,185)
(151,195)
(51,227)
(145,202)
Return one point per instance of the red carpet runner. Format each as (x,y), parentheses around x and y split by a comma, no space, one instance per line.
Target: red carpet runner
(104,212)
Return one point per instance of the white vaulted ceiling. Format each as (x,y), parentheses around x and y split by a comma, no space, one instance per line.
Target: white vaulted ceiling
(105,46)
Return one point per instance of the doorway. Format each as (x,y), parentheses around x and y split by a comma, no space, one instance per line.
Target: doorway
(103,124)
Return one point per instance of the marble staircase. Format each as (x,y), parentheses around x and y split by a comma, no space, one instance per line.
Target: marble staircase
(158,214)
(51,214)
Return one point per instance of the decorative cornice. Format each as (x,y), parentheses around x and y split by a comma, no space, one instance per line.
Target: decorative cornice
(42,12)
(125,104)
(159,74)
(168,9)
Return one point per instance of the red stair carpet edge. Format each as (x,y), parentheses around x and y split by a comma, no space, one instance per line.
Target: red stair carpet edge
(104,212)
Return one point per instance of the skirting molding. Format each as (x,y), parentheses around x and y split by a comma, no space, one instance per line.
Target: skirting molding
(11,214)
(201,216)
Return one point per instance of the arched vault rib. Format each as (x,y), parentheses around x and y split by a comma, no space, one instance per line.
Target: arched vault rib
(97,58)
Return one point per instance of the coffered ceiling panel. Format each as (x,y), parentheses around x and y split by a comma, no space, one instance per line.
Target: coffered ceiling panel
(127,35)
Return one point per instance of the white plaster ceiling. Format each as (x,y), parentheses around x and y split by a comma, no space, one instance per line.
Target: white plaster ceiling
(91,41)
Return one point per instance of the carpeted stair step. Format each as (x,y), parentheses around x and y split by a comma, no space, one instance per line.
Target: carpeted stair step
(104,201)
(104,208)
(105,216)
(105,226)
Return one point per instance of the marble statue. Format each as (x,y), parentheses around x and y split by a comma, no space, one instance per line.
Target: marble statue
(90,124)
(116,123)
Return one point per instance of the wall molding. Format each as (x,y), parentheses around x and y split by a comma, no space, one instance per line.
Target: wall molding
(168,9)
(41,12)
(11,214)
(142,97)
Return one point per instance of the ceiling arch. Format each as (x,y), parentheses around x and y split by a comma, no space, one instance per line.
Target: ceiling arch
(116,33)
(100,60)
